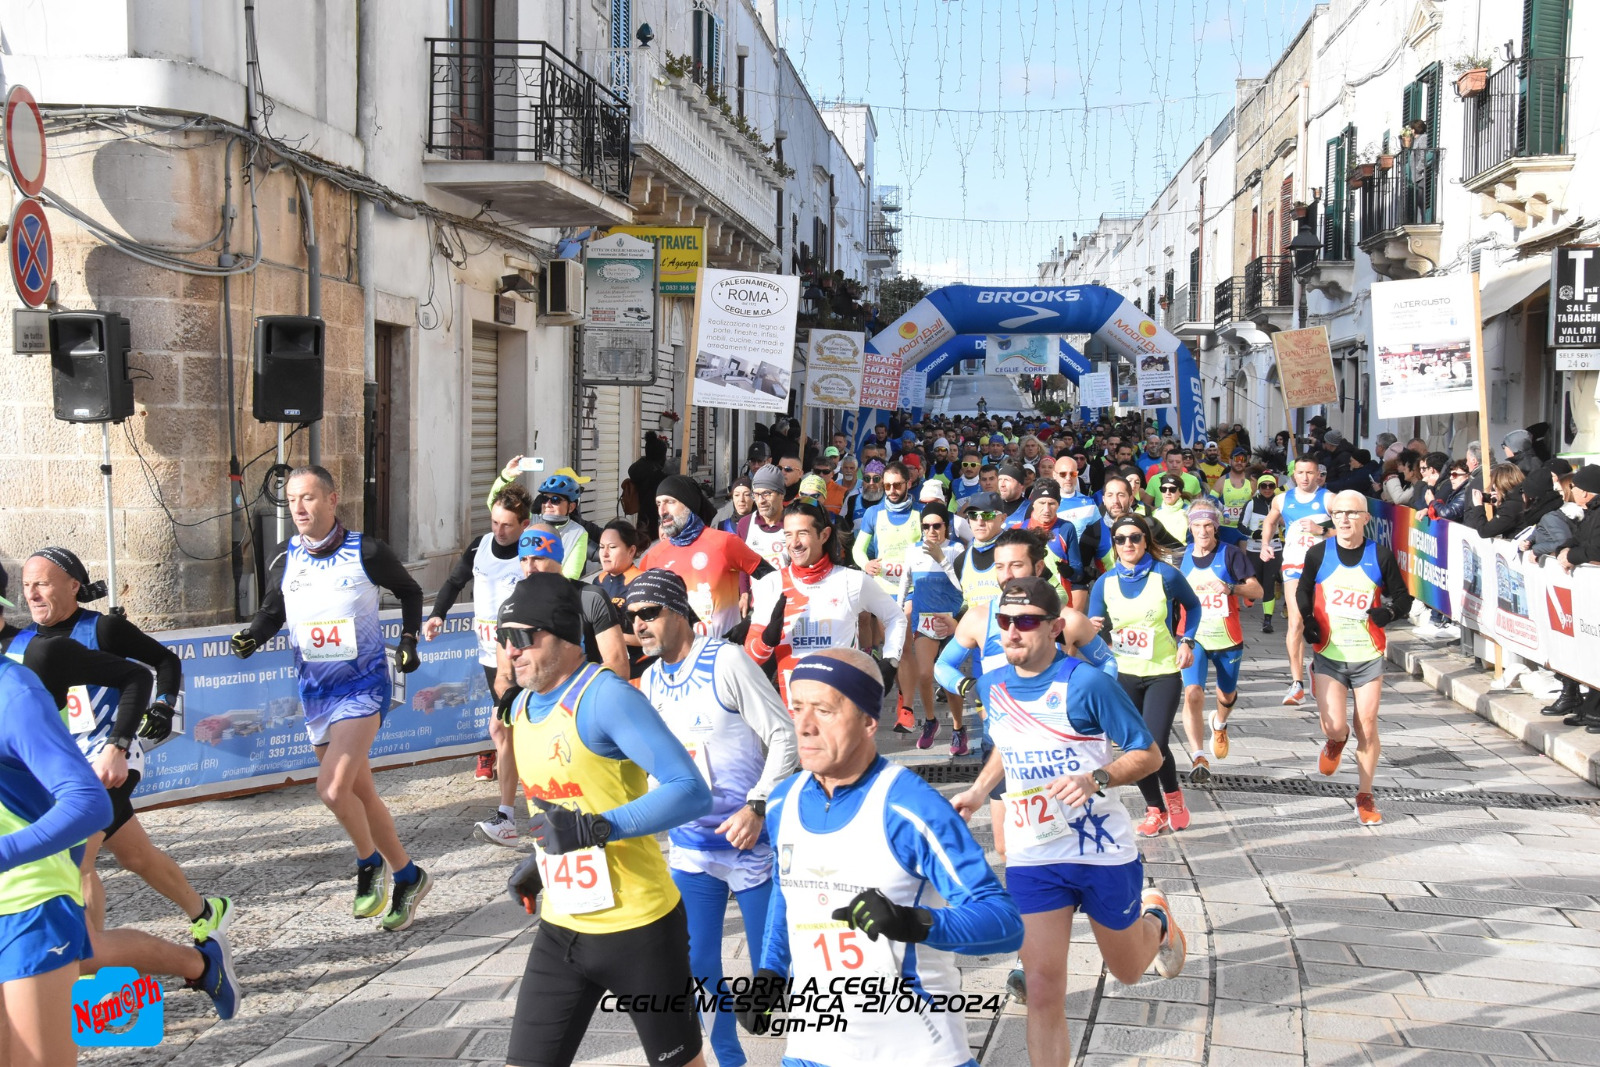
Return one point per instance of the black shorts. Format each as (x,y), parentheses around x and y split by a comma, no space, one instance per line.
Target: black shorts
(121,803)
(568,973)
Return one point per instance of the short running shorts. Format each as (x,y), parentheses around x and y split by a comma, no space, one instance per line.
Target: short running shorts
(1227,662)
(1107,893)
(321,714)
(42,939)
(121,803)
(1349,675)
(568,972)
(741,869)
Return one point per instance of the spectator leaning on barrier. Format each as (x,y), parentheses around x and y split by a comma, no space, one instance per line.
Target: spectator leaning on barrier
(1518,447)
(1450,493)
(1583,548)
(1505,494)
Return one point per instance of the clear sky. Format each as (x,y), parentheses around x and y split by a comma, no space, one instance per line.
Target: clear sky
(1010,123)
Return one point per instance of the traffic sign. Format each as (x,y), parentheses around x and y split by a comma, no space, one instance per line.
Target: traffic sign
(32,257)
(25,149)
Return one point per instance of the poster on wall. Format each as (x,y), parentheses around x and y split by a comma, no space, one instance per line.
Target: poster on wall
(1305,367)
(1094,390)
(1019,353)
(834,362)
(679,253)
(619,283)
(745,340)
(1157,380)
(1423,332)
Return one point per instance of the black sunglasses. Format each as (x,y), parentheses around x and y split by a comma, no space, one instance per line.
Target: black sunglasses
(933,526)
(1128,539)
(1026,623)
(650,614)
(515,636)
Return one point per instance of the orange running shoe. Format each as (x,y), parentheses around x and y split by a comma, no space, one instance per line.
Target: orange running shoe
(906,721)
(1328,762)
(1177,811)
(1367,811)
(1174,946)
(1219,737)
(1155,821)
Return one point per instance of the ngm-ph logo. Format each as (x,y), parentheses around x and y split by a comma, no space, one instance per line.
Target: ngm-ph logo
(117,1006)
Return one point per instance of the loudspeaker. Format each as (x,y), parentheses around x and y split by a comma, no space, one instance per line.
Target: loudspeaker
(89,366)
(288,369)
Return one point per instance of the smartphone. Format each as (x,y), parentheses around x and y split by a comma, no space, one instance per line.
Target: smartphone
(530,463)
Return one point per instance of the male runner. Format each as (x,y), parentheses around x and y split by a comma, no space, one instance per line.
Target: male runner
(717,702)
(1071,845)
(887,529)
(1235,488)
(491,564)
(1220,575)
(1079,509)
(1355,590)
(1250,524)
(709,561)
(1303,511)
(762,529)
(325,587)
(611,919)
(855,820)
(1009,482)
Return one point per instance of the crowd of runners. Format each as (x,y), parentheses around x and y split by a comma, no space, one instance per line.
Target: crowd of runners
(1059,593)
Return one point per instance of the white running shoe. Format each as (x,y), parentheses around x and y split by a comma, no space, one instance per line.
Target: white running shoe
(498,830)
(1295,694)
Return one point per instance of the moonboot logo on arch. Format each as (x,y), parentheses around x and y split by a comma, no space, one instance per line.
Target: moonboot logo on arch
(117,1007)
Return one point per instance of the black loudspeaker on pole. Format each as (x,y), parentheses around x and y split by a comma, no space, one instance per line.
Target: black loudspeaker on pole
(287,379)
(89,366)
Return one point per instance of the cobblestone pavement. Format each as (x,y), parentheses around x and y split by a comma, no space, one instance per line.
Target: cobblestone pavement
(1462,931)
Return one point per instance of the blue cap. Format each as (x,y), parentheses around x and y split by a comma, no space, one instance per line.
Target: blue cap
(540,544)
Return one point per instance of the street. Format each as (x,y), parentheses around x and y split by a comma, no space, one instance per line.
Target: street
(964,391)
(1465,930)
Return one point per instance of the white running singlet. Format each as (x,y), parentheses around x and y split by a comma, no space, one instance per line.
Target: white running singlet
(492,579)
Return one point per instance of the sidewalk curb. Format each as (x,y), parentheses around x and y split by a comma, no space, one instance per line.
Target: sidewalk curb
(1459,678)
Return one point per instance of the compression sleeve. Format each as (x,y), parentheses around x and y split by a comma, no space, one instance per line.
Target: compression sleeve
(764,593)
(386,571)
(61,663)
(861,550)
(270,616)
(1097,599)
(451,588)
(1097,653)
(1305,592)
(122,638)
(949,667)
(745,687)
(881,604)
(34,742)
(931,841)
(617,722)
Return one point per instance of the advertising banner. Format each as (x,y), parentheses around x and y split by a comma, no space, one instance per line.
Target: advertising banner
(1094,390)
(1305,367)
(244,727)
(913,389)
(834,364)
(745,340)
(619,283)
(1518,589)
(1421,548)
(1157,380)
(880,381)
(1575,298)
(1423,332)
(1475,610)
(913,335)
(680,252)
(1020,353)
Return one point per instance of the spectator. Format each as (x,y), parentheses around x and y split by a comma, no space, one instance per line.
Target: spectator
(1399,483)
(1505,495)
(740,504)
(1383,443)
(1475,465)
(1585,548)
(1433,482)
(1419,446)
(646,475)
(1518,446)
(1554,518)
(1450,493)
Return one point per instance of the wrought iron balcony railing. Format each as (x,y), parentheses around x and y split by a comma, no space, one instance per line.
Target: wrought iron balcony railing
(1522,112)
(1407,194)
(1268,283)
(1227,301)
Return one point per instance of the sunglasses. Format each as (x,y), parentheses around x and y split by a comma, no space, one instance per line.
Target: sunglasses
(1128,539)
(545,498)
(874,479)
(790,470)
(1171,489)
(515,636)
(983,516)
(650,614)
(894,485)
(971,466)
(933,526)
(1026,623)
(1348,514)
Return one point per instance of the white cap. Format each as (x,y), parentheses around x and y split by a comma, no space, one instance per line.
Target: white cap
(942,442)
(932,489)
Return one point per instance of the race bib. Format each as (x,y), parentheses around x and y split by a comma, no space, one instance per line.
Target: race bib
(576,883)
(1349,603)
(1033,816)
(925,624)
(80,710)
(1232,513)
(485,629)
(1137,642)
(1298,542)
(832,946)
(1213,604)
(893,570)
(331,639)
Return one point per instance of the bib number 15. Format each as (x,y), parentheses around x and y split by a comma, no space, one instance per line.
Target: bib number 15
(844,950)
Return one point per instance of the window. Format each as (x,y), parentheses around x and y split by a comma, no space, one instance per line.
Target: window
(1167,285)
(1541,129)
(1338,226)
(1194,285)
(738,96)
(1286,215)
(706,30)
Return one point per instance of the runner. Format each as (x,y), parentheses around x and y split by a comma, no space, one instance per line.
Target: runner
(1053,723)
(1079,509)
(325,587)
(1303,512)
(717,702)
(1356,590)
(1172,512)
(709,561)
(490,563)
(620,545)
(611,918)
(762,529)
(741,502)
(816,602)
(1235,488)
(854,819)
(1251,523)
(49,801)
(887,529)
(1060,537)
(1138,602)
(930,580)
(1010,483)
(1220,576)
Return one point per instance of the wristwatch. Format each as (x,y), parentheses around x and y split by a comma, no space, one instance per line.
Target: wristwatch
(1187,641)
(757,806)
(601,832)
(1102,779)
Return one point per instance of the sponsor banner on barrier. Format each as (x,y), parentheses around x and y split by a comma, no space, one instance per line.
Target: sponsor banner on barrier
(834,361)
(1570,639)
(745,340)
(1475,611)
(1020,353)
(1421,548)
(244,727)
(1518,589)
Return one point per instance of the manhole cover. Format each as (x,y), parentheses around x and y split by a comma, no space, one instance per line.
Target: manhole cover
(1306,787)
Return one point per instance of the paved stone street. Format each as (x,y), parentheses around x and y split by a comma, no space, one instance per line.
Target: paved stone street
(1462,931)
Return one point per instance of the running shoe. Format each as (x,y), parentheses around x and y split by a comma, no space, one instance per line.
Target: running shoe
(1017,984)
(1367,811)
(1219,737)
(1296,693)
(218,981)
(372,890)
(930,730)
(1177,810)
(1328,762)
(905,721)
(958,741)
(1266,624)
(407,895)
(217,917)
(498,830)
(1155,821)
(485,771)
(1174,946)
(1200,769)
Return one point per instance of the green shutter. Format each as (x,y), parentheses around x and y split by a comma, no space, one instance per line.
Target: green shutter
(1541,125)
(1333,206)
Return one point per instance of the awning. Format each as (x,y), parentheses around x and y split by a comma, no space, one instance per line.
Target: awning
(1506,291)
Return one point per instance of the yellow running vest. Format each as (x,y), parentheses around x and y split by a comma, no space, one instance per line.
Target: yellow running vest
(1140,638)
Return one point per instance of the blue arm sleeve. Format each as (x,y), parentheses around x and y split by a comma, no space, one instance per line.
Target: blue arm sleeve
(34,743)
(775,944)
(930,840)
(1096,703)
(1097,597)
(1181,594)
(947,669)
(1098,653)
(616,721)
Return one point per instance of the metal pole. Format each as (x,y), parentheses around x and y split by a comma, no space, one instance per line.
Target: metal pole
(111,539)
(283,508)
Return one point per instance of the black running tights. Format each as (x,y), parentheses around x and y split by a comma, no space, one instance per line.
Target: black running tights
(1158,699)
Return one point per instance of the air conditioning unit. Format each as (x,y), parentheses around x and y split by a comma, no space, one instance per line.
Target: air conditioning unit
(561,295)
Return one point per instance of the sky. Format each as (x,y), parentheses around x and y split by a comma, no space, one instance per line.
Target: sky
(1010,123)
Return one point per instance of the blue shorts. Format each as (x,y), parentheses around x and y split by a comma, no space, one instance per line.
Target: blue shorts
(1227,662)
(321,714)
(43,939)
(1107,893)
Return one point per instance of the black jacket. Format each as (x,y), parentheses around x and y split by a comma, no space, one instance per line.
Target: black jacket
(1508,519)
(1585,547)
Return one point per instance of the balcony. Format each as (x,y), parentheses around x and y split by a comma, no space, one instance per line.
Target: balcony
(1516,154)
(1227,301)
(1332,272)
(882,244)
(1182,315)
(1269,292)
(1399,213)
(693,164)
(518,124)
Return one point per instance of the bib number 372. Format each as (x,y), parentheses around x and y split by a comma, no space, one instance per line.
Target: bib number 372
(1033,816)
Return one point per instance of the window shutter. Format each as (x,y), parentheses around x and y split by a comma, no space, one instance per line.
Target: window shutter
(1194,274)
(1286,213)
(1542,82)
(697,34)
(1169,281)
(1333,213)
(621,23)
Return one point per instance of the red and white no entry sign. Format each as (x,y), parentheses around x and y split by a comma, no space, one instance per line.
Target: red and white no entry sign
(25,151)
(32,256)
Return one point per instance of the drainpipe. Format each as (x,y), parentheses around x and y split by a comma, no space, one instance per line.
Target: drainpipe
(308,234)
(366,126)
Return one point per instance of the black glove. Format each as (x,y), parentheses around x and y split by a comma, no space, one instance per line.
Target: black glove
(1312,630)
(559,829)
(965,686)
(1381,615)
(766,994)
(774,629)
(244,646)
(873,914)
(157,722)
(503,709)
(525,883)
(406,659)
(890,672)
